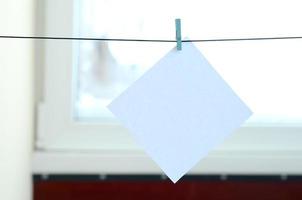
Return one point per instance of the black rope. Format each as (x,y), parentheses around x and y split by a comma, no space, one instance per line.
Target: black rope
(145,40)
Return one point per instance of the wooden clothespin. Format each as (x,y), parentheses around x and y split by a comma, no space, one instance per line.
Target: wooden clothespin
(178,33)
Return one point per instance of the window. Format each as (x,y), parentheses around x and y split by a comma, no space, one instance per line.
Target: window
(81,78)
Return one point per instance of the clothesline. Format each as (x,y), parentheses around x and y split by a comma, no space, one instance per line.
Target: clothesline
(146,40)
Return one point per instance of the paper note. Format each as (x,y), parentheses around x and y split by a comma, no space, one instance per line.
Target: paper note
(179,110)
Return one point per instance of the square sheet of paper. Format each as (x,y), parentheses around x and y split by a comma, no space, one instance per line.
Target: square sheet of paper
(179,110)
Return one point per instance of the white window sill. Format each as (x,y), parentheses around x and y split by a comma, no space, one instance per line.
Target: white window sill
(265,151)
(232,162)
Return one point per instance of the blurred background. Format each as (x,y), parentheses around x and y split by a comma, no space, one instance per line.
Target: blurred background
(59,141)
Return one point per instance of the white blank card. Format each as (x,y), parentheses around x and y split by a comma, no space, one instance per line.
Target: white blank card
(179,110)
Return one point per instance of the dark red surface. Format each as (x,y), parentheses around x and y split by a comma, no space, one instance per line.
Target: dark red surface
(146,190)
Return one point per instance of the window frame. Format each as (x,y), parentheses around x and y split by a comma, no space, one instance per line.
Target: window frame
(63,144)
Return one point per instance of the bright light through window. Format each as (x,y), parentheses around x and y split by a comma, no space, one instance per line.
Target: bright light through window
(265,74)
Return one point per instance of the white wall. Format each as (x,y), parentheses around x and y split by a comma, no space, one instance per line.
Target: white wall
(16,100)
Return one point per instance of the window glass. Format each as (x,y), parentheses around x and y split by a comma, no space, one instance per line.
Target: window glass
(265,74)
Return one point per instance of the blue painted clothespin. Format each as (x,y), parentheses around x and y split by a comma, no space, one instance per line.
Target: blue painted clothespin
(178,33)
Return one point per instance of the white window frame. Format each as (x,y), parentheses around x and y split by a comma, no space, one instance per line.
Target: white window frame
(64,145)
